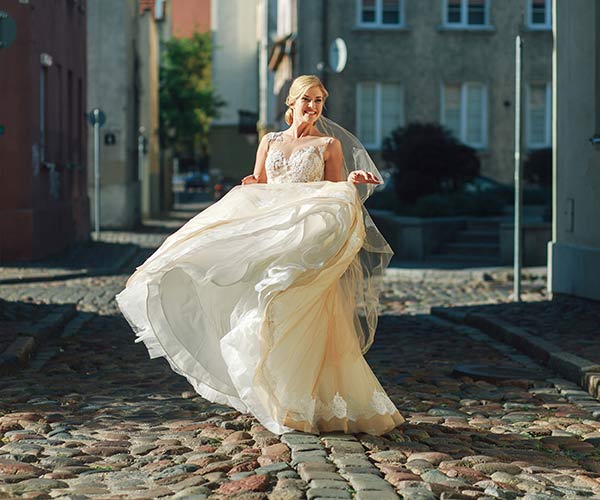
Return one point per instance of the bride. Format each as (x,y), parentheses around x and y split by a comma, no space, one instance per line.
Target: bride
(267,300)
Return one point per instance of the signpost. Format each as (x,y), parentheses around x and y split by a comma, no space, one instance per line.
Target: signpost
(97,119)
(518,173)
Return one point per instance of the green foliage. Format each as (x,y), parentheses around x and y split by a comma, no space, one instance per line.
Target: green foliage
(537,168)
(188,101)
(428,160)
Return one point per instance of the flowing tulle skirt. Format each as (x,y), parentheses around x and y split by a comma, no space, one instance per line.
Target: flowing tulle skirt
(254,301)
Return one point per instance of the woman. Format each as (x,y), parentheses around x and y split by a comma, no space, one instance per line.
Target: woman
(267,300)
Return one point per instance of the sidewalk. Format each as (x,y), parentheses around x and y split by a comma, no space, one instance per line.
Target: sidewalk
(562,333)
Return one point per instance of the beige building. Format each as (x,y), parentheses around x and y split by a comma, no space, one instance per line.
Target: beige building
(112,87)
(574,252)
(232,140)
(123,49)
(446,61)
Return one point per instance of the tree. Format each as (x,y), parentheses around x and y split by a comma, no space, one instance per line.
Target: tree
(188,101)
(428,160)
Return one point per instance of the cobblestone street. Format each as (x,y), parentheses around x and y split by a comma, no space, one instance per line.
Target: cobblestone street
(91,416)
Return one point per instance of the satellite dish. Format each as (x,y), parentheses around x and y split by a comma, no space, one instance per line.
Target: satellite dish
(338,55)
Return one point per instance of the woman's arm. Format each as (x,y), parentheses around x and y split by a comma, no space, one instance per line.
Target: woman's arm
(260,174)
(333,167)
(333,161)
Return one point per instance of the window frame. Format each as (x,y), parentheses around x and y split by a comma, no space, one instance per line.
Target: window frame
(481,146)
(464,17)
(378,144)
(548,122)
(378,23)
(547,25)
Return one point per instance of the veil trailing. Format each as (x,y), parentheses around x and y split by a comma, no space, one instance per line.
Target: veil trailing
(364,277)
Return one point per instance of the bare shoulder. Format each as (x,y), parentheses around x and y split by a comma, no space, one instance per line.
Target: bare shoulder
(333,144)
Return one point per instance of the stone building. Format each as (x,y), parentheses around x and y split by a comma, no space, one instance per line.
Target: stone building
(124,41)
(232,139)
(446,61)
(574,252)
(113,87)
(43,199)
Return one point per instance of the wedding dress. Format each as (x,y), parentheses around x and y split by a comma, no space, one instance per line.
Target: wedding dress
(255,300)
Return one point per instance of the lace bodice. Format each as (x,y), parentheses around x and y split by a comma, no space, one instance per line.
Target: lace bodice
(304,164)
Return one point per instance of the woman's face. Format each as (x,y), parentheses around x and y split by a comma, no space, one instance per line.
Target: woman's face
(308,106)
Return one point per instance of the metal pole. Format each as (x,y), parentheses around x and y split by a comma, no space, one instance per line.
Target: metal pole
(518,173)
(97,174)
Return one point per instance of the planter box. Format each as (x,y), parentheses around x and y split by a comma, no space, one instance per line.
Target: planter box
(535,238)
(415,238)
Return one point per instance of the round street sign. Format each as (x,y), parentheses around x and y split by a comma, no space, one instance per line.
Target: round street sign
(8,30)
(338,55)
(96,115)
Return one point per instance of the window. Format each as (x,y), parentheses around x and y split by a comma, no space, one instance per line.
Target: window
(380,13)
(539,115)
(284,18)
(379,110)
(465,14)
(464,112)
(539,14)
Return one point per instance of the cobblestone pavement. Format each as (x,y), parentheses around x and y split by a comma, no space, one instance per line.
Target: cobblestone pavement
(93,417)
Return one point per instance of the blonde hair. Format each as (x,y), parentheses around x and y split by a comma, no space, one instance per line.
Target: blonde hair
(300,85)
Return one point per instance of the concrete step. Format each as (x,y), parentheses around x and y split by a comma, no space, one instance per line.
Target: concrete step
(476,249)
(485,224)
(477,236)
(464,260)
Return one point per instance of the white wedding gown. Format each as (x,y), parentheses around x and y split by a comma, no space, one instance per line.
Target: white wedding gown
(252,301)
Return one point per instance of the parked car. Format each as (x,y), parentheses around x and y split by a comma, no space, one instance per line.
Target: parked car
(223,186)
(197,181)
(481,183)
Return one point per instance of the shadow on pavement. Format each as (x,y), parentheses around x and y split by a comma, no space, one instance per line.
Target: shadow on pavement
(571,323)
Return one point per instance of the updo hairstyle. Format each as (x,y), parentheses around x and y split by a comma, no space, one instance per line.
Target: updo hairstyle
(300,85)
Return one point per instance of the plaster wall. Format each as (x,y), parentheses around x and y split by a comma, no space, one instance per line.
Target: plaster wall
(148,66)
(235,79)
(235,53)
(574,256)
(112,88)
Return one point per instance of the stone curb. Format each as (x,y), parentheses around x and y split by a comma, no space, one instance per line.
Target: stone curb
(20,351)
(114,268)
(581,371)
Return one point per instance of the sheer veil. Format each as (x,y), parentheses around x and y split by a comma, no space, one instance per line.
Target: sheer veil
(364,277)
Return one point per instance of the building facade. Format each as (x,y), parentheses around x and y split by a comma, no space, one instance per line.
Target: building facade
(43,196)
(188,17)
(443,61)
(124,43)
(114,88)
(574,252)
(232,139)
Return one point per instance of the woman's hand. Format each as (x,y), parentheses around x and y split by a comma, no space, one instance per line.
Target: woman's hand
(250,179)
(362,177)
